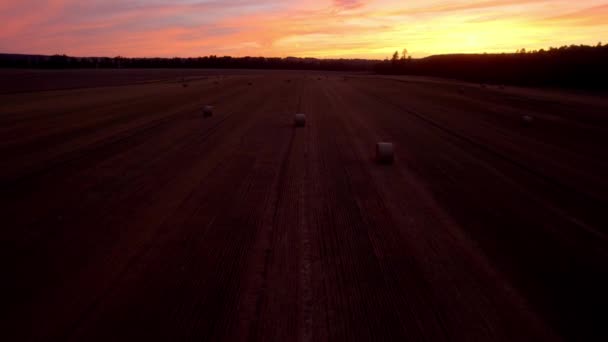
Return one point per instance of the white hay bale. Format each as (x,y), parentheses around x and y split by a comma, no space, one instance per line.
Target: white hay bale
(385,152)
(207,111)
(300,120)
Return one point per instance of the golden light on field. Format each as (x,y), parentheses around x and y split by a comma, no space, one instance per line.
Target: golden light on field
(319,28)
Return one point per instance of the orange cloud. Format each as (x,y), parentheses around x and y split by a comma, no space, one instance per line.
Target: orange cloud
(318,28)
(593,16)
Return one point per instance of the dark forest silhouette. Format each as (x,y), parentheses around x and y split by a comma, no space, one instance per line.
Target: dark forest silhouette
(575,66)
(226,62)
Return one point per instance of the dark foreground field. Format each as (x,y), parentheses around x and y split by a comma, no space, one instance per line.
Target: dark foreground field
(126,215)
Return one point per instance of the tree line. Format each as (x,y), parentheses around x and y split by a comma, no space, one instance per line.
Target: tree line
(574,66)
(215,62)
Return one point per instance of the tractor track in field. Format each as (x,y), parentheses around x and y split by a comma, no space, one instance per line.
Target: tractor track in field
(213,129)
(561,230)
(142,136)
(430,238)
(109,145)
(178,152)
(142,220)
(556,183)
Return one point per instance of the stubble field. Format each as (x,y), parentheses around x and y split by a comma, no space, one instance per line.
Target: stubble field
(127,215)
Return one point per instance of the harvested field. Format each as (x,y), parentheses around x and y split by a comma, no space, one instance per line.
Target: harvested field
(126,215)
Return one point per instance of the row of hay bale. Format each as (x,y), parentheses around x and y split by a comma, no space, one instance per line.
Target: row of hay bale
(385,151)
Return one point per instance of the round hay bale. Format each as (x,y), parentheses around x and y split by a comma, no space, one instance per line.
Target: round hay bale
(527,120)
(300,120)
(207,111)
(385,153)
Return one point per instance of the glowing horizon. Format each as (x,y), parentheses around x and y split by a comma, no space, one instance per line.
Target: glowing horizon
(317,28)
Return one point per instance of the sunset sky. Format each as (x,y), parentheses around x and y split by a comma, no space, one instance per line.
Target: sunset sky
(315,28)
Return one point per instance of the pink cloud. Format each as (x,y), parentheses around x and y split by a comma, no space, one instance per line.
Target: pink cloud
(348,4)
(280,28)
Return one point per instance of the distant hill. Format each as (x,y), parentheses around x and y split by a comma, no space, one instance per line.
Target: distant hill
(575,66)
